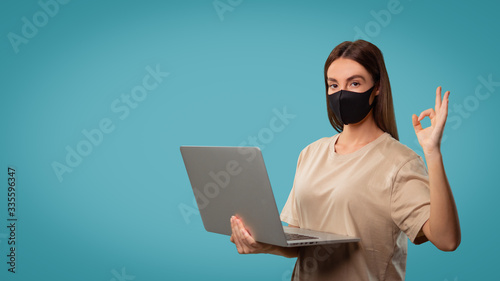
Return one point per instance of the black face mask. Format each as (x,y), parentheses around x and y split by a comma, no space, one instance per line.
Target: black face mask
(351,107)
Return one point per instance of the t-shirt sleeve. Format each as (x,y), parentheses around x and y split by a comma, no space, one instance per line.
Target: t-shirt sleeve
(410,199)
(289,214)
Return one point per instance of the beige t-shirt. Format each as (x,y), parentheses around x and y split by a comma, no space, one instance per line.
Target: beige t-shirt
(379,193)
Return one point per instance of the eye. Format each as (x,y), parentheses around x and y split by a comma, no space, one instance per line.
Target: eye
(333,86)
(355,84)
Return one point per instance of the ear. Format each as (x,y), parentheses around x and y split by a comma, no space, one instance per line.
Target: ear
(377,87)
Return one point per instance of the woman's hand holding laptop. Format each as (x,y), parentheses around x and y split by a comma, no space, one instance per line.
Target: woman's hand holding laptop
(245,244)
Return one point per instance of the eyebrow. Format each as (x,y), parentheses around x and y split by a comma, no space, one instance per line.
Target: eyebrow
(348,79)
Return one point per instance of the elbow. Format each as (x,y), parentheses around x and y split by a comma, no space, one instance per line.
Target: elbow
(294,253)
(450,246)
(447,241)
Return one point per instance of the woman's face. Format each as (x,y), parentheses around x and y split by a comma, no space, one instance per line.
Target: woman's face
(346,74)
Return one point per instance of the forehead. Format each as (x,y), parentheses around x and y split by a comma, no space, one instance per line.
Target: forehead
(343,68)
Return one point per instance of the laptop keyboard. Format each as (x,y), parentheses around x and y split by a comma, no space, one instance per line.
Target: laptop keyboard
(294,236)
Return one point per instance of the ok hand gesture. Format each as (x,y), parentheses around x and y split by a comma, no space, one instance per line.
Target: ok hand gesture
(430,137)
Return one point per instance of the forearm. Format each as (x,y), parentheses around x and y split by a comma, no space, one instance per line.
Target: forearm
(444,225)
(288,252)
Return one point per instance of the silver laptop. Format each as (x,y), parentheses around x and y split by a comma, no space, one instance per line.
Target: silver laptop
(229,181)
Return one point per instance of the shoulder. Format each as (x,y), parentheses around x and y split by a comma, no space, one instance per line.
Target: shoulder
(320,145)
(399,152)
(406,163)
(316,150)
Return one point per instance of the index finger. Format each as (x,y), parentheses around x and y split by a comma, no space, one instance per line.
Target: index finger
(438,99)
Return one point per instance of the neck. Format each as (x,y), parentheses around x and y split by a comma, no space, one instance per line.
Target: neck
(360,133)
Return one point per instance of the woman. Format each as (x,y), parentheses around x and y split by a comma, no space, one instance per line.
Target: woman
(363,182)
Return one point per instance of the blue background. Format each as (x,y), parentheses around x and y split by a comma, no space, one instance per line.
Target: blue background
(120,210)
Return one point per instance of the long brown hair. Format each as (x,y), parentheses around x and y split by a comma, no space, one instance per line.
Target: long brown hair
(370,57)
